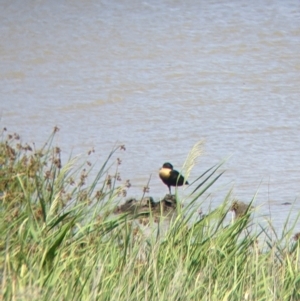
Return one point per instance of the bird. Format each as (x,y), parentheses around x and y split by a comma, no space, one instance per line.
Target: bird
(240,208)
(171,177)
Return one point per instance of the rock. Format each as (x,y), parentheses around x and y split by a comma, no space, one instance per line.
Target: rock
(147,206)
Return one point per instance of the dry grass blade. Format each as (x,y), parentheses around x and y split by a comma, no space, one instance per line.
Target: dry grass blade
(193,156)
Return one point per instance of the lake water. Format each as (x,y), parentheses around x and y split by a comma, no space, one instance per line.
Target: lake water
(158,76)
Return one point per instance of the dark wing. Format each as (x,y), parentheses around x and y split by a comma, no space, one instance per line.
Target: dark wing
(176,178)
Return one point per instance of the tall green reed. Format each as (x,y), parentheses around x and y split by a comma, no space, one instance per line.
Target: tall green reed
(60,240)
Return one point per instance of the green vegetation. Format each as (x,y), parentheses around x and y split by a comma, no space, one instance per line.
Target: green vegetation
(61,241)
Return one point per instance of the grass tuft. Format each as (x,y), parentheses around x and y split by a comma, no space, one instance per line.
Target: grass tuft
(60,239)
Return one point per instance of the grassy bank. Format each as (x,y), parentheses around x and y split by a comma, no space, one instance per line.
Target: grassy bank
(60,240)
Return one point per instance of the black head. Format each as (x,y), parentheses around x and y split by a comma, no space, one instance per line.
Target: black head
(168,165)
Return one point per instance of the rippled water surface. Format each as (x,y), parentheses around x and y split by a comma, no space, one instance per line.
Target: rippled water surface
(158,76)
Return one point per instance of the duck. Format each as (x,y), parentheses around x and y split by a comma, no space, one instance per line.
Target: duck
(240,208)
(171,177)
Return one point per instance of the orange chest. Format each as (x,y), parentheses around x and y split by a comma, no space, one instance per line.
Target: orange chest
(164,173)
